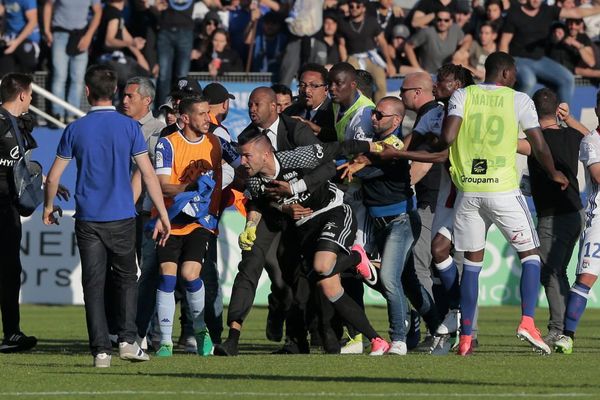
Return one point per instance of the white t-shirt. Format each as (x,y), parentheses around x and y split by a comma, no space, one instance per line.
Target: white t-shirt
(589,154)
(524,107)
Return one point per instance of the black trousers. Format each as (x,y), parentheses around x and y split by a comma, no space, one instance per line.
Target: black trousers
(10,268)
(250,269)
(98,242)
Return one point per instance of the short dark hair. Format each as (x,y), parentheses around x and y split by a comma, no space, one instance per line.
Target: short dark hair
(101,81)
(14,84)
(314,67)
(445,9)
(250,135)
(187,103)
(343,67)
(460,73)
(280,88)
(364,81)
(499,3)
(546,102)
(498,62)
(492,26)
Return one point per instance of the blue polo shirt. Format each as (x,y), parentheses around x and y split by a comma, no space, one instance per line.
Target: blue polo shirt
(103,143)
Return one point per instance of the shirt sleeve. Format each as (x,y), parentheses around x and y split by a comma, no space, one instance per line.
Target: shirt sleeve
(509,23)
(163,157)
(456,106)
(419,38)
(525,109)
(431,122)
(589,151)
(30,5)
(65,146)
(363,129)
(230,155)
(138,144)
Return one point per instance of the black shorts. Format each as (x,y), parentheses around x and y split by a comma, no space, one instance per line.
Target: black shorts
(181,248)
(334,230)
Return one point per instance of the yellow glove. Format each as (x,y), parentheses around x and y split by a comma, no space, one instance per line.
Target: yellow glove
(248,236)
(392,140)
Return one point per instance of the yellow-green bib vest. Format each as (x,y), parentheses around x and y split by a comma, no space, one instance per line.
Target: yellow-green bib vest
(342,124)
(483,155)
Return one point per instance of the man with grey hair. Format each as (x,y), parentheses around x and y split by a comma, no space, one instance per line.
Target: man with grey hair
(137,102)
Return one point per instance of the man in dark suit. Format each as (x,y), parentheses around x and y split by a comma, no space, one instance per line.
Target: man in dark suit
(284,133)
(314,106)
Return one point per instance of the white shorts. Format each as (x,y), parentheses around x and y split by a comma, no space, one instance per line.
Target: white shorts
(443,219)
(589,251)
(509,212)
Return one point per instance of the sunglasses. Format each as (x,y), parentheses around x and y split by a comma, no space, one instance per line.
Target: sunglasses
(379,115)
(443,19)
(404,90)
(304,85)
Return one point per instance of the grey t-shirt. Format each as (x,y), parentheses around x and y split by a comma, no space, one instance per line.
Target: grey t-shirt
(71,14)
(433,52)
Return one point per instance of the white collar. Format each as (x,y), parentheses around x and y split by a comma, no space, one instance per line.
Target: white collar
(101,108)
(273,127)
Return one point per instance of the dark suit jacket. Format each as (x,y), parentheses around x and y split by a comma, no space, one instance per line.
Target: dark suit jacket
(292,133)
(323,118)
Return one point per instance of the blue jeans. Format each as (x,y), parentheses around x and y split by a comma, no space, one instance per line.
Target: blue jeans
(548,71)
(174,47)
(63,67)
(395,242)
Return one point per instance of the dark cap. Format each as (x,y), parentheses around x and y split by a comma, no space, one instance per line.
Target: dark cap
(402,31)
(169,105)
(216,93)
(185,87)
(463,7)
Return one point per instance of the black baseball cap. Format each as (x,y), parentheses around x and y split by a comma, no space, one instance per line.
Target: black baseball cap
(216,93)
(185,86)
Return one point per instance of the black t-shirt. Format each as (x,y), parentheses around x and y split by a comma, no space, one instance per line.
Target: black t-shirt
(428,7)
(178,15)
(427,188)
(108,14)
(9,154)
(530,33)
(568,55)
(548,198)
(360,37)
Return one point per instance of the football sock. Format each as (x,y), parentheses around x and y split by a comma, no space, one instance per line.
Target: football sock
(578,296)
(344,262)
(469,288)
(353,314)
(165,307)
(194,293)
(530,284)
(449,276)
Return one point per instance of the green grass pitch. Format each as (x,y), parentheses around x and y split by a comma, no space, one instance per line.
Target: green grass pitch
(502,367)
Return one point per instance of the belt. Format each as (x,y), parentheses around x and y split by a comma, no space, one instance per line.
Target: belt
(382,222)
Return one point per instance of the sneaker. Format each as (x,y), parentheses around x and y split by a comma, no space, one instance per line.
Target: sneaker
(294,346)
(527,331)
(426,345)
(398,348)
(354,345)
(132,352)
(379,347)
(102,360)
(203,343)
(142,342)
(465,347)
(564,345)
(364,268)
(165,350)
(226,349)
(188,343)
(17,342)
(552,337)
(442,345)
(450,323)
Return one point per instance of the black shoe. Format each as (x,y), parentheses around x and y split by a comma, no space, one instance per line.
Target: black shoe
(17,342)
(226,349)
(292,347)
(274,329)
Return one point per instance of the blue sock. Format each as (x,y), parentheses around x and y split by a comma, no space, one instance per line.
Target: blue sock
(469,291)
(578,296)
(449,277)
(165,307)
(194,292)
(530,284)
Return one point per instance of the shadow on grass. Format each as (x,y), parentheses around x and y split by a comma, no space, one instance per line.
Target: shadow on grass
(349,379)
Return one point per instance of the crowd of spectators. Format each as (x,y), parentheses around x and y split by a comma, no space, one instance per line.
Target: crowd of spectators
(166,39)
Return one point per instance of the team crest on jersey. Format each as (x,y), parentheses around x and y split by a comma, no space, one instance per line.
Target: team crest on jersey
(585,263)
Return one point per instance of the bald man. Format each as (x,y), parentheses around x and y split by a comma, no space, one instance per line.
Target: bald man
(417,95)
(284,133)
